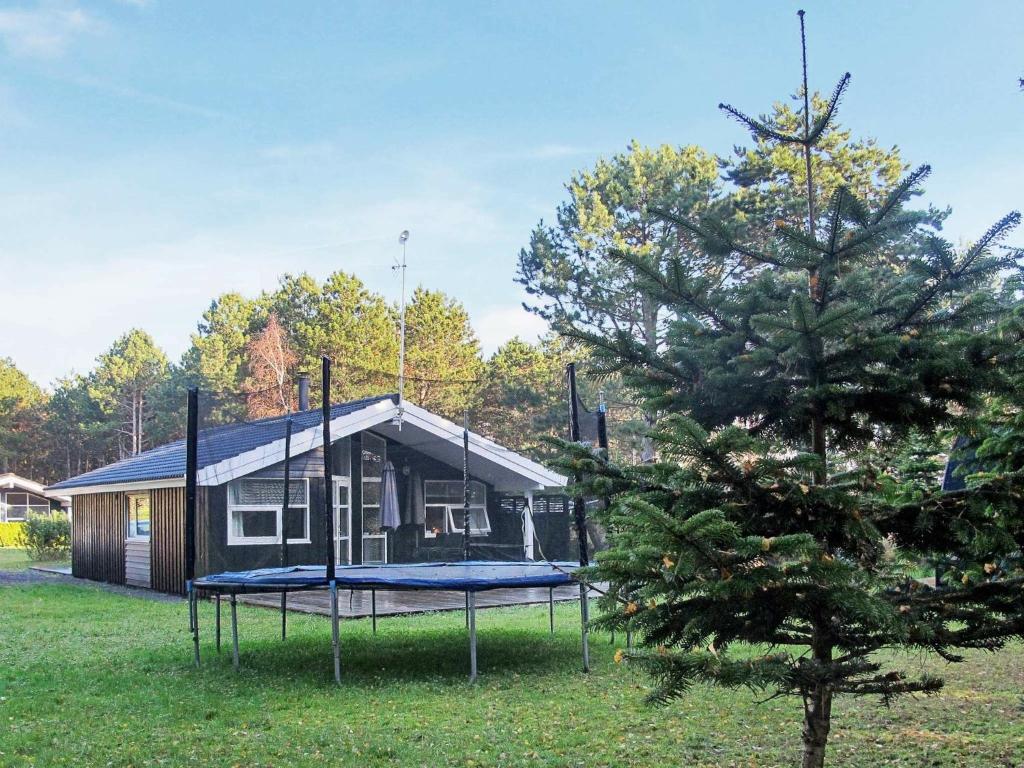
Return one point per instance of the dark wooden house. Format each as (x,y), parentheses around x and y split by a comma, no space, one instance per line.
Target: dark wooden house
(128,525)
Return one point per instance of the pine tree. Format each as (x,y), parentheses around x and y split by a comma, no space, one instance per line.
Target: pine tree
(756,552)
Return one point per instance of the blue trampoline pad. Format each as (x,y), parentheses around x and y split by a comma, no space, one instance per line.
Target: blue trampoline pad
(468,576)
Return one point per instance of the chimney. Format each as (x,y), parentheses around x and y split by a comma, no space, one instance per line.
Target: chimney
(303,391)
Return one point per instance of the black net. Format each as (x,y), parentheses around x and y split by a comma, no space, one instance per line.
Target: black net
(395,490)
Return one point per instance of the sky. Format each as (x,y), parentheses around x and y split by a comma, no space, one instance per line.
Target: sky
(156,154)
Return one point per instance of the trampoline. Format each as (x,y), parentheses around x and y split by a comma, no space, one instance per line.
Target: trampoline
(469,577)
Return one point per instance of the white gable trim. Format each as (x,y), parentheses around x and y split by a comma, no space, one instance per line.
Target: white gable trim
(306,440)
(365,418)
(481,446)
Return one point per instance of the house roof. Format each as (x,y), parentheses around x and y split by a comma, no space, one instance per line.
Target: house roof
(9,480)
(215,445)
(234,450)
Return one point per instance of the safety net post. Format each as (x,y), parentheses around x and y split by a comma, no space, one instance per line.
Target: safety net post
(328,523)
(579,515)
(284,519)
(191,468)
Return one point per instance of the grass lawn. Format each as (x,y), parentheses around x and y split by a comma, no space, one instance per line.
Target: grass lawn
(90,678)
(14,559)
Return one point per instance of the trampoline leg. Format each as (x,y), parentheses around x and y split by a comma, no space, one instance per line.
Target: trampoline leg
(191,617)
(284,615)
(373,608)
(218,622)
(471,599)
(584,620)
(629,640)
(234,630)
(551,609)
(467,610)
(334,632)
(194,612)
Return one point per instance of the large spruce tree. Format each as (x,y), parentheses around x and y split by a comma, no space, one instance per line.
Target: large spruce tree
(758,552)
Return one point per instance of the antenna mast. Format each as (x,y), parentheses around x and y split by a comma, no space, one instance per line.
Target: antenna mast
(402,239)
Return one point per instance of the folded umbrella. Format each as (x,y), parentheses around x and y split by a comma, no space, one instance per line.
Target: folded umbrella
(389,512)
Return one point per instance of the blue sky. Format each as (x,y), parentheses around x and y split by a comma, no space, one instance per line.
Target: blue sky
(157,153)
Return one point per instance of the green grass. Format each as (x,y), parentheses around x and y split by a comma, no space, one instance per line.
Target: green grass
(14,559)
(89,678)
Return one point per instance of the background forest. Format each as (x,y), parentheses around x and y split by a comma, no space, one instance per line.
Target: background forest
(246,353)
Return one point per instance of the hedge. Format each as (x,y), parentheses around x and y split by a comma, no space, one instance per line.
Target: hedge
(9,533)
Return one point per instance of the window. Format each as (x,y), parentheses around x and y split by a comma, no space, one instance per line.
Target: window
(375,541)
(444,507)
(255,509)
(138,515)
(19,505)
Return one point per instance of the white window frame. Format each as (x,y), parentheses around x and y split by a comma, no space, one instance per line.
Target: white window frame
(340,510)
(373,480)
(27,508)
(132,533)
(451,510)
(237,541)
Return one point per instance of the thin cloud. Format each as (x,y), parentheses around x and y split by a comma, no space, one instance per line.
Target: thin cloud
(45,31)
(150,99)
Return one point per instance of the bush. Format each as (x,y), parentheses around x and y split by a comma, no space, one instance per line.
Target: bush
(46,537)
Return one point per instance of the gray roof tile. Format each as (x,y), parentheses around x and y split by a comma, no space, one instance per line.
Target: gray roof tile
(215,445)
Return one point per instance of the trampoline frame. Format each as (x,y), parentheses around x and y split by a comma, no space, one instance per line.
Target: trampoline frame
(557,574)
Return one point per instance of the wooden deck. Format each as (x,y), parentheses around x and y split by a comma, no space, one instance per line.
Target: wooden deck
(359,604)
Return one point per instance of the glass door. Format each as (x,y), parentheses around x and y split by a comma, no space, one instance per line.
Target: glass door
(374,539)
(342,522)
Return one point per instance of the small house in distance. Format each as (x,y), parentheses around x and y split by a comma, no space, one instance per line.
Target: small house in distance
(20,497)
(129,521)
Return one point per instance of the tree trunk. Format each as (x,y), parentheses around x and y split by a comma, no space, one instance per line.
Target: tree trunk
(649,311)
(817,722)
(818,710)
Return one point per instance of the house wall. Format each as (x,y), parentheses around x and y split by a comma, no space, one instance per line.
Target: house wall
(99,550)
(97,537)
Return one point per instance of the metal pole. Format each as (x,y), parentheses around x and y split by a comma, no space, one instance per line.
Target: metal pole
(194,594)
(286,499)
(580,516)
(218,622)
(584,621)
(234,630)
(191,441)
(551,609)
(465,486)
(191,468)
(334,632)
(472,637)
(284,615)
(373,608)
(402,238)
(328,525)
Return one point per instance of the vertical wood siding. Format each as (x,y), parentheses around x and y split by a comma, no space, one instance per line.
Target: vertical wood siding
(167,540)
(98,527)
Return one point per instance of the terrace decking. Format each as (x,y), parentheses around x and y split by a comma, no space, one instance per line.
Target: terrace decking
(359,604)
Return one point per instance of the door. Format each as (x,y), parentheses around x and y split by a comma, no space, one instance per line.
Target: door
(342,522)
